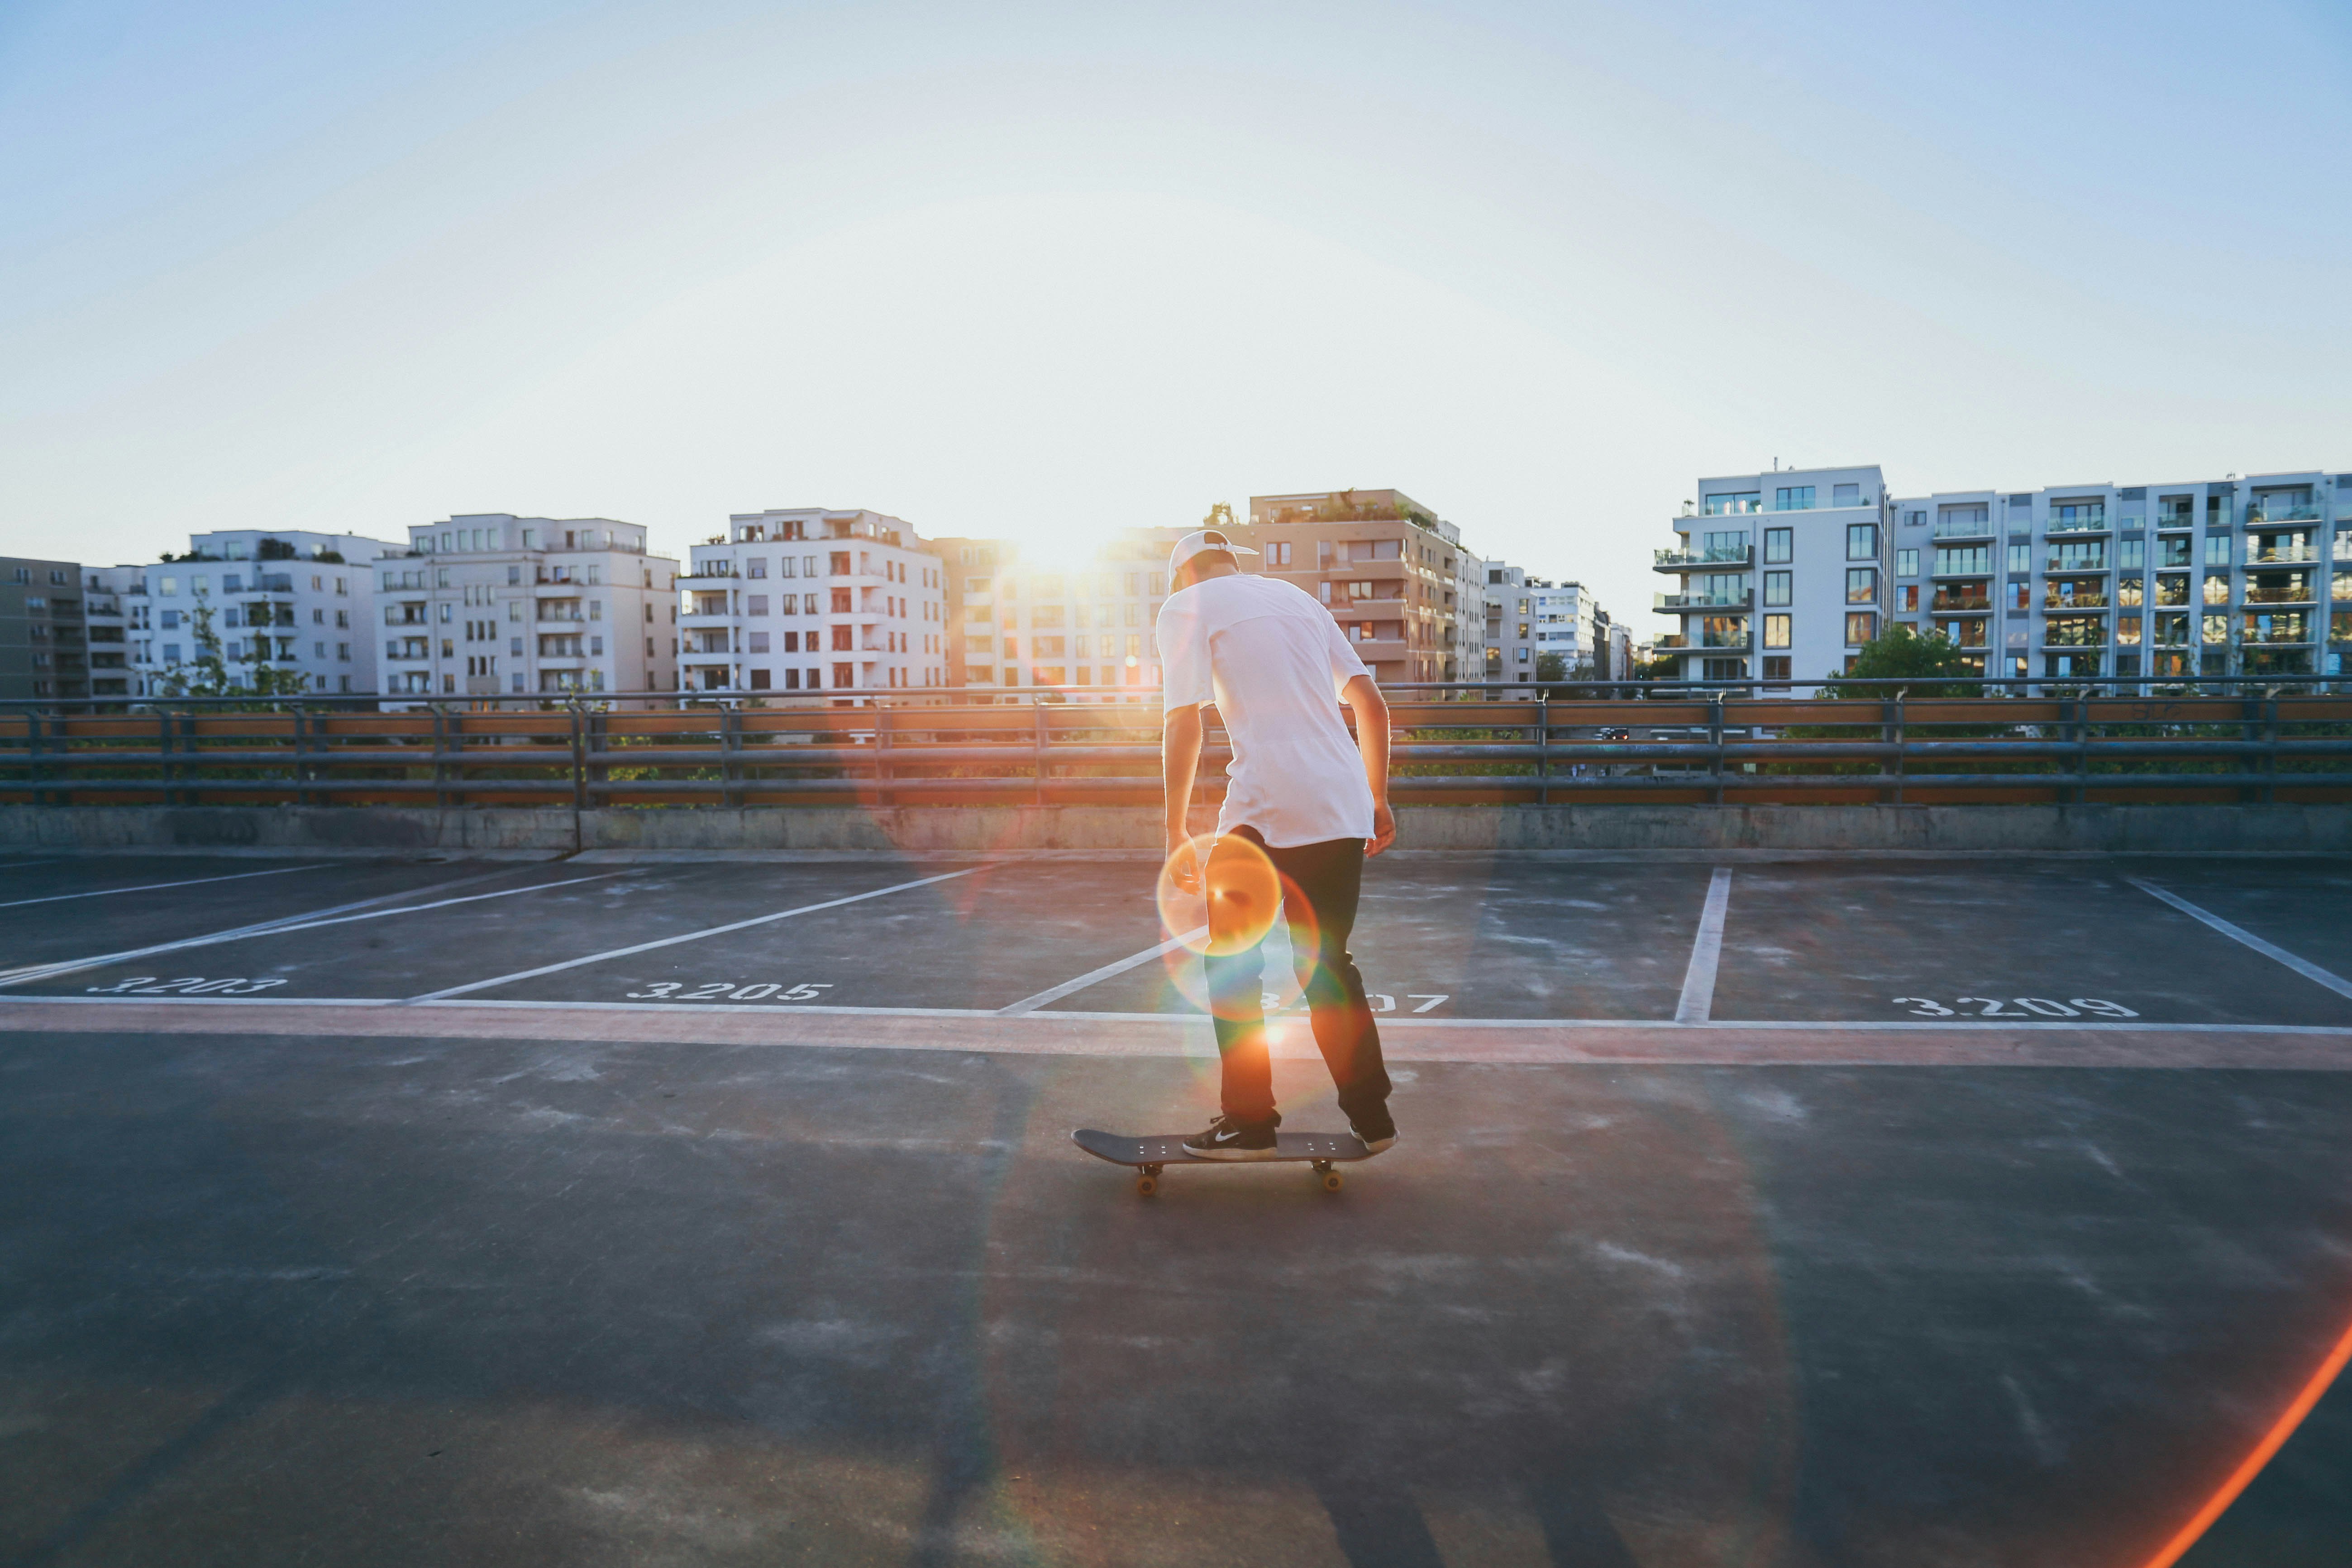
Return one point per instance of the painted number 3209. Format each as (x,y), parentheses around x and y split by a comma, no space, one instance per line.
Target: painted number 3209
(2021,1008)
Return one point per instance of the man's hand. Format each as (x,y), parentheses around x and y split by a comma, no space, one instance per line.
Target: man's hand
(1383,828)
(1183,864)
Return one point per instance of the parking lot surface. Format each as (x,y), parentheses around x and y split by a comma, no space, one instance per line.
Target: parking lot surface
(1807,1213)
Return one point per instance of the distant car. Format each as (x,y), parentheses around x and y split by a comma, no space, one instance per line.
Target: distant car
(1614,734)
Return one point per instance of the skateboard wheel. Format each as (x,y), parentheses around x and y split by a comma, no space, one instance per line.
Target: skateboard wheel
(1330,1181)
(1146,1186)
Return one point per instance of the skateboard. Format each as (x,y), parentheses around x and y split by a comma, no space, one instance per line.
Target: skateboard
(1150,1155)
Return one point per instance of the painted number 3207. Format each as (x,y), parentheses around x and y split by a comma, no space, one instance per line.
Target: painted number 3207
(2021,1008)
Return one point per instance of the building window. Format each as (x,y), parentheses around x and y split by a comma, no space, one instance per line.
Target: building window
(1776,587)
(1723,668)
(1779,545)
(1776,631)
(758,644)
(1907,564)
(1860,626)
(1861,586)
(2217,550)
(1729,504)
(1776,666)
(1793,498)
(753,604)
(2020,559)
(1861,542)
(1845,495)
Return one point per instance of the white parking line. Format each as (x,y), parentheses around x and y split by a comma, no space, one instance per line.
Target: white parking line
(1055,993)
(24,864)
(1706,951)
(689,936)
(260,928)
(150,887)
(2302,967)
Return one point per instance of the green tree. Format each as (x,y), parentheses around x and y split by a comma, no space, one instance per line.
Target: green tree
(1899,652)
(1550,667)
(207,674)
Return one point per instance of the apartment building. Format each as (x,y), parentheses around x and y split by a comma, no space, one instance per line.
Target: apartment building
(289,608)
(1081,621)
(106,622)
(2247,576)
(1389,568)
(1530,617)
(489,603)
(2244,575)
(44,635)
(1472,610)
(1818,541)
(814,600)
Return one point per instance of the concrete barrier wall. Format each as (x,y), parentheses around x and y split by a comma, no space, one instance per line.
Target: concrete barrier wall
(982,830)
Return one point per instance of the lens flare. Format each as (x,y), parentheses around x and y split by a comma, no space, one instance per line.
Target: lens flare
(1220,894)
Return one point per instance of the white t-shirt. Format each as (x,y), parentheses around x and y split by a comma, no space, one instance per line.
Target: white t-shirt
(1274,662)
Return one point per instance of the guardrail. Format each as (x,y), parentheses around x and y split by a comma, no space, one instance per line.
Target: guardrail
(1595,743)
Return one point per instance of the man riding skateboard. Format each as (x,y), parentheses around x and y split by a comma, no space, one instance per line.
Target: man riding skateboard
(1299,794)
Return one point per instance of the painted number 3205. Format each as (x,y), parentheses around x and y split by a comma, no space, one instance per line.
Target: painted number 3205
(728,991)
(2021,1008)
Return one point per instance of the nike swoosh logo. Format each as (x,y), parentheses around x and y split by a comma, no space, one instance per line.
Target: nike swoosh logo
(1227,1137)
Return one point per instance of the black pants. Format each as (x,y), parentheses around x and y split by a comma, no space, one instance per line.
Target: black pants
(1320,886)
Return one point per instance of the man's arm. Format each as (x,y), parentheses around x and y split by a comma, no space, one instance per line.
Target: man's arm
(1362,694)
(1180,760)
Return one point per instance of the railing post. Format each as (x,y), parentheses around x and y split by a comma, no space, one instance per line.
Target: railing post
(2267,727)
(1895,735)
(163,745)
(1715,745)
(1038,744)
(1543,750)
(579,768)
(302,772)
(33,752)
(730,739)
(882,794)
(440,776)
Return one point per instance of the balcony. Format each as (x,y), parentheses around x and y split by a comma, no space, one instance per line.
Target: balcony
(2061,602)
(2279,555)
(2297,591)
(2262,512)
(2096,524)
(719,615)
(2257,631)
(1946,603)
(1700,559)
(1963,528)
(2075,637)
(1678,603)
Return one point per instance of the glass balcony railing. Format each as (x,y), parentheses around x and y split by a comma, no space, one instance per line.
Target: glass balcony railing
(2091,523)
(2074,602)
(1963,528)
(1688,560)
(1961,604)
(2262,512)
(1680,602)
(2260,556)
(2281,594)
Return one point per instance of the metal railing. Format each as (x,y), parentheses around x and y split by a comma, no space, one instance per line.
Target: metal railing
(1997,740)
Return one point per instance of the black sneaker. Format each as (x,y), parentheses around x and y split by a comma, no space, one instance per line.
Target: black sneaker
(1229,1140)
(1380,1135)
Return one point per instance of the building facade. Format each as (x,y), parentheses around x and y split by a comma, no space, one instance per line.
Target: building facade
(489,603)
(1037,620)
(2238,576)
(1529,618)
(45,648)
(1778,573)
(284,610)
(1387,567)
(814,600)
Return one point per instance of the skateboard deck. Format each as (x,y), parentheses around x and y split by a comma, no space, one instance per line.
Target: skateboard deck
(1151,1155)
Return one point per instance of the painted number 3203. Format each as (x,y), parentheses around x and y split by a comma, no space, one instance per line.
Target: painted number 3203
(2021,1008)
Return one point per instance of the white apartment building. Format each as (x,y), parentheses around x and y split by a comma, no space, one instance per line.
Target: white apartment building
(2247,576)
(489,603)
(1823,535)
(291,603)
(2244,575)
(1084,622)
(1527,618)
(809,599)
(1471,610)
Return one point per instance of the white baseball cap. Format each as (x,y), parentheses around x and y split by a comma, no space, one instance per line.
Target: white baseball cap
(1198,541)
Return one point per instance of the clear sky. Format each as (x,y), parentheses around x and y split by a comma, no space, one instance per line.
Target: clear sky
(1041,270)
